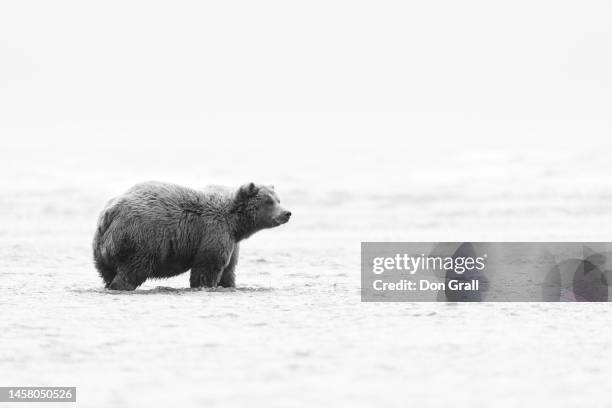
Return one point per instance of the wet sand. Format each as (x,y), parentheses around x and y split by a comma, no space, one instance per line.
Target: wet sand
(294,332)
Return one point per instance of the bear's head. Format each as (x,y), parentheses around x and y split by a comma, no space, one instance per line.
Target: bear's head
(258,207)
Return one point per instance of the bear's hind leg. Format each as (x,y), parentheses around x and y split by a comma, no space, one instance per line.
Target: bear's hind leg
(121,283)
(127,279)
(107,274)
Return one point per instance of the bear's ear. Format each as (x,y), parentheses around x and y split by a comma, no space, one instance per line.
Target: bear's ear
(271,186)
(247,190)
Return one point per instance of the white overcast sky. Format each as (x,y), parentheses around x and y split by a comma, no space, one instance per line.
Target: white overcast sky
(185,71)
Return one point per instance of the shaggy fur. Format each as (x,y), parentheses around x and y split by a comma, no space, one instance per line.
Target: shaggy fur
(159,230)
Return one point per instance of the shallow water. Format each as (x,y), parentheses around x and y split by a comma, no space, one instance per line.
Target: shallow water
(294,332)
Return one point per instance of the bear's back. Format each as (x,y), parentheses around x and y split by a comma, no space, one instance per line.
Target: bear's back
(167,200)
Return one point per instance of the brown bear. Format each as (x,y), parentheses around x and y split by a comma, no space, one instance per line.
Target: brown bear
(159,230)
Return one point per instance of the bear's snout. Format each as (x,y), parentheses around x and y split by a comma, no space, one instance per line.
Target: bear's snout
(284,217)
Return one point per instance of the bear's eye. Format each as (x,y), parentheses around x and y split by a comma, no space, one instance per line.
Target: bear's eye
(269,201)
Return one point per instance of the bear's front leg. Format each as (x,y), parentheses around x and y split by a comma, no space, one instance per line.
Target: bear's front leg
(228,278)
(205,276)
(207,270)
(195,278)
(209,263)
